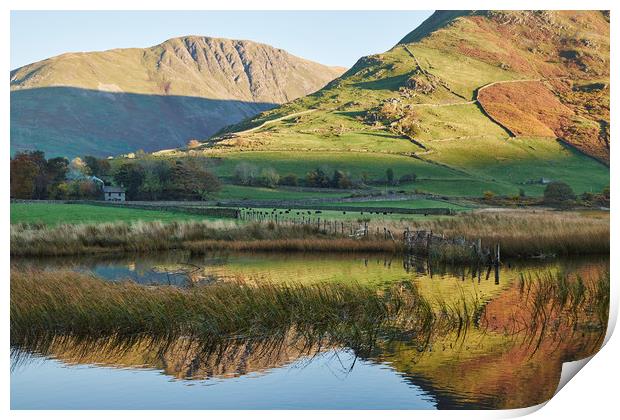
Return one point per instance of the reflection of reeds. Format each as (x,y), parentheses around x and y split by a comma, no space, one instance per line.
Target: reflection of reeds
(554,306)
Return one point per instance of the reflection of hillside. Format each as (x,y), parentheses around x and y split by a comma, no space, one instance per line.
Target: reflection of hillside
(182,358)
(486,370)
(480,370)
(515,359)
(506,353)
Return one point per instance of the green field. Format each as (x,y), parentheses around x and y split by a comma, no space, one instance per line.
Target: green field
(239,192)
(459,168)
(374,165)
(53,214)
(406,204)
(346,216)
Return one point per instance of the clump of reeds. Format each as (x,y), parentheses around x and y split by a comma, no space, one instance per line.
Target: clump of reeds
(196,236)
(74,304)
(520,234)
(297,245)
(533,234)
(524,233)
(453,254)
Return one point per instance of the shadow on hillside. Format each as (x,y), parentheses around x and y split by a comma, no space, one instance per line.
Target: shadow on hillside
(72,121)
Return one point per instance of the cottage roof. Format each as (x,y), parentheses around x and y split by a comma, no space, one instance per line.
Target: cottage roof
(112,189)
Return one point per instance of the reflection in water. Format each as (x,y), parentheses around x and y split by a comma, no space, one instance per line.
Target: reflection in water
(536,318)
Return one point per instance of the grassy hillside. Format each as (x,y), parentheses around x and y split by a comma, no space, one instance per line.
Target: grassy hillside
(118,101)
(466,101)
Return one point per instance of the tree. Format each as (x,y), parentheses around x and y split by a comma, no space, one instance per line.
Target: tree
(32,176)
(130,175)
(488,195)
(269,178)
(389,174)
(192,144)
(318,178)
(558,193)
(340,180)
(365,178)
(77,169)
(57,169)
(290,180)
(151,185)
(36,173)
(59,191)
(23,174)
(245,173)
(40,180)
(96,167)
(192,181)
(157,178)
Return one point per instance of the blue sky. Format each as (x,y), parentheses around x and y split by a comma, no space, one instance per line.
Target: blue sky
(329,37)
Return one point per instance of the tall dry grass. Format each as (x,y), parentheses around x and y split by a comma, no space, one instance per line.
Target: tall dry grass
(196,236)
(518,233)
(527,233)
(64,303)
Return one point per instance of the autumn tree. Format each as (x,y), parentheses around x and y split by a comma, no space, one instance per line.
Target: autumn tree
(32,175)
(192,181)
(23,174)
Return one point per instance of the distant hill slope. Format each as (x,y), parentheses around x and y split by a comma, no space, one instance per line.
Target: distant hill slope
(121,100)
(447,79)
(469,102)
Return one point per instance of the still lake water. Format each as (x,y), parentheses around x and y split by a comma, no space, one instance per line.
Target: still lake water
(496,368)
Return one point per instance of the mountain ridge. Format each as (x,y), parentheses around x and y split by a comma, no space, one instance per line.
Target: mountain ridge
(193,66)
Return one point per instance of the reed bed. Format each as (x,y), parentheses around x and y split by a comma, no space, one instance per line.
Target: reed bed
(520,234)
(197,236)
(526,233)
(297,245)
(75,304)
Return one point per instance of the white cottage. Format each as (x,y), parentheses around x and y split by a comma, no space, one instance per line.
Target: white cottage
(113,193)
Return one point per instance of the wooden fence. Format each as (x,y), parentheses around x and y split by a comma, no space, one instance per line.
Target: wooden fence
(299,209)
(415,242)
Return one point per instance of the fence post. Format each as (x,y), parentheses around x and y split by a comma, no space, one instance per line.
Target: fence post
(429,240)
(497,256)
